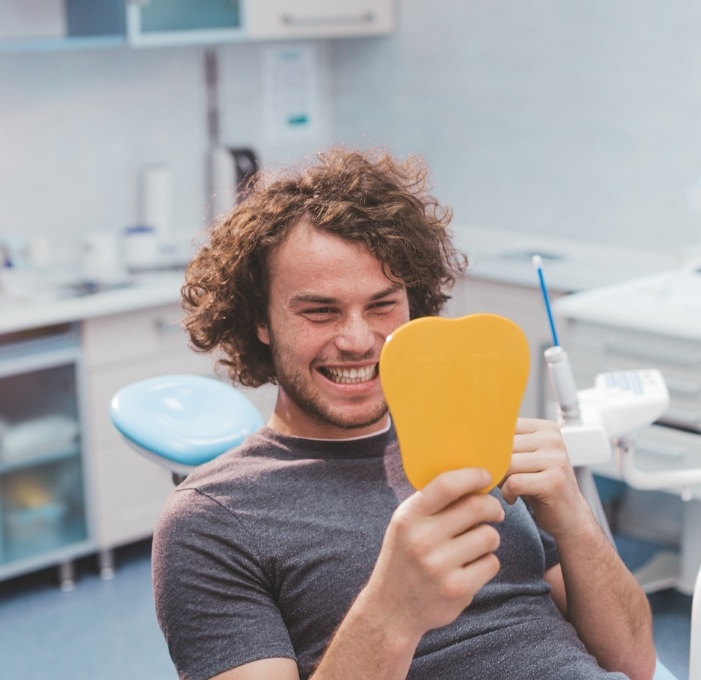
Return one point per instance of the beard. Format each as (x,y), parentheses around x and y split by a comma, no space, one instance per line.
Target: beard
(301,392)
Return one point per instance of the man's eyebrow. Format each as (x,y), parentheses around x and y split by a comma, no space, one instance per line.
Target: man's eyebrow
(306,298)
(311,298)
(390,290)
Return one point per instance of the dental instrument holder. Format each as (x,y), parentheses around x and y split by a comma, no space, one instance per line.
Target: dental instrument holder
(585,437)
(612,411)
(586,443)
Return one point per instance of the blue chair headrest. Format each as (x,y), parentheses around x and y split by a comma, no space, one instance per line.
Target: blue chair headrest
(187,419)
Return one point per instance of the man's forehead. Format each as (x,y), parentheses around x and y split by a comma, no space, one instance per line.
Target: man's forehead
(308,248)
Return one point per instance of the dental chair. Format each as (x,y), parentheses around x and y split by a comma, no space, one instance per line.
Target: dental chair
(183,421)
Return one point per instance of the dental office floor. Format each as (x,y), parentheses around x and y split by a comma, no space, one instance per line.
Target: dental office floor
(107,630)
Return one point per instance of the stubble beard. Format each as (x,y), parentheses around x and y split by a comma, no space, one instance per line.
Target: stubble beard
(300,392)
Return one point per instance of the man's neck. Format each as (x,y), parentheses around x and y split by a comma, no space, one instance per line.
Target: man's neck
(323,432)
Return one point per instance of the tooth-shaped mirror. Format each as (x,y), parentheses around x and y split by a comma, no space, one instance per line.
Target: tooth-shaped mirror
(454,388)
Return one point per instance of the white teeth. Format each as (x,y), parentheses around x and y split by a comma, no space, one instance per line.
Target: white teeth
(348,376)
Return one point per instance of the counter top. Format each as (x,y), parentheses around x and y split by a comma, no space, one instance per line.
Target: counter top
(493,255)
(568,266)
(143,291)
(667,303)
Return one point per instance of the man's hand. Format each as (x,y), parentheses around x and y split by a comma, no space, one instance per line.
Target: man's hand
(540,472)
(438,551)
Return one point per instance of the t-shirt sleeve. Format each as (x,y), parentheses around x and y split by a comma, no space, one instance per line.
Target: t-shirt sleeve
(551,555)
(213,592)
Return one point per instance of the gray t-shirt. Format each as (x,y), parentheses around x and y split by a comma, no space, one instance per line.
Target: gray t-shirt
(260,554)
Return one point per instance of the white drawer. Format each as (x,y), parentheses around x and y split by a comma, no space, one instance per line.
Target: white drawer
(647,348)
(128,492)
(145,332)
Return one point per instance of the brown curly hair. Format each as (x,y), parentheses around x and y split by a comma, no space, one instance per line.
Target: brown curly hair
(367,198)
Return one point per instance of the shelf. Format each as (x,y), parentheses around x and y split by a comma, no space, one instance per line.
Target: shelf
(62,44)
(38,459)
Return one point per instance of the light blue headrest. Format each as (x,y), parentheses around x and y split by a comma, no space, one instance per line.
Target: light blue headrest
(187,419)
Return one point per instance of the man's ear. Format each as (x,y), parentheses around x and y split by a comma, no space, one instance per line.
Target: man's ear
(263,334)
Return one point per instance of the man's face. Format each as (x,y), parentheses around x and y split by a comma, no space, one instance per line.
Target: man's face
(330,309)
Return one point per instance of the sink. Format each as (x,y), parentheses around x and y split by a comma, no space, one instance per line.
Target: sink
(85,288)
(528,255)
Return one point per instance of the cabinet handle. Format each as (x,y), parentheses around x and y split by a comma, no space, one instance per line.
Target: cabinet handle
(681,418)
(691,359)
(661,451)
(346,20)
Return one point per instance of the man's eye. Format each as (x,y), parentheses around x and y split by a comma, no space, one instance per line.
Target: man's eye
(383,305)
(319,311)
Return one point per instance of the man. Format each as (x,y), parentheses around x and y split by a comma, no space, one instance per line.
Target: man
(305,552)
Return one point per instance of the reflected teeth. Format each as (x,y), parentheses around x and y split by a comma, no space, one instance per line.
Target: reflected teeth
(348,376)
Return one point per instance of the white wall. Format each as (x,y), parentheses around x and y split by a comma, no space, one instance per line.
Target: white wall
(573,118)
(78,129)
(576,118)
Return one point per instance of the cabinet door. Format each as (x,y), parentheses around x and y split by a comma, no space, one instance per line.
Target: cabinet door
(127,490)
(43,510)
(172,22)
(266,19)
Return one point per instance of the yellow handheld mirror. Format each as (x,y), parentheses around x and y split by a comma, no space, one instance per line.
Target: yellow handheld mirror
(454,388)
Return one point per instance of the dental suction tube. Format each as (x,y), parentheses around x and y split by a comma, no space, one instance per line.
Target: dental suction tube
(563,384)
(558,363)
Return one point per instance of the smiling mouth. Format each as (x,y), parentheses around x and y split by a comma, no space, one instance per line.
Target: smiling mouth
(349,376)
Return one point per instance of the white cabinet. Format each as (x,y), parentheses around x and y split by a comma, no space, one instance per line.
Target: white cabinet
(182,22)
(171,22)
(127,490)
(296,19)
(524,306)
(60,24)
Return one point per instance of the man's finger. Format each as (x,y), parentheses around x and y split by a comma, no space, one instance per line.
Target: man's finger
(447,487)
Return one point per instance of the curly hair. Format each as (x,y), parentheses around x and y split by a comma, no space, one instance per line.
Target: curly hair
(367,198)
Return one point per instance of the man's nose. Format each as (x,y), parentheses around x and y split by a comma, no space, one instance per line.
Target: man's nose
(355,335)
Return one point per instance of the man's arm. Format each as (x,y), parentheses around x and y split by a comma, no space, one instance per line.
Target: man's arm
(280,669)
(438,551)
(592,587)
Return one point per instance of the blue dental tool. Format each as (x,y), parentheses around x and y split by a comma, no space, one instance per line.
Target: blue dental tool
(538,264)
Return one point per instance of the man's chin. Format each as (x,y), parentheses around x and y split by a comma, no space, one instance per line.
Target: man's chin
(349,423)
(358,423)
